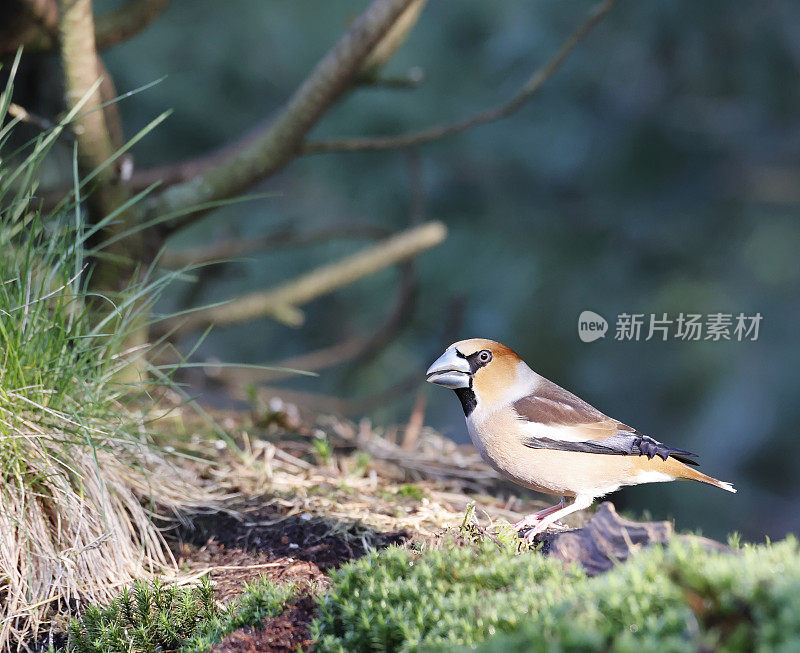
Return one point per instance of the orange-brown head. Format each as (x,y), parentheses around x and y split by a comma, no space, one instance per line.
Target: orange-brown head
(478,370)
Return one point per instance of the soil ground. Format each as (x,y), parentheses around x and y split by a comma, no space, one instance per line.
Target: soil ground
(241,548)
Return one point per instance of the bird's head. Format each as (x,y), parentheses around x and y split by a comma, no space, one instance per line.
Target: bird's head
(477,369)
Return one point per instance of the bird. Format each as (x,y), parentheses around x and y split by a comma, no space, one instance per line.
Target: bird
(542,437)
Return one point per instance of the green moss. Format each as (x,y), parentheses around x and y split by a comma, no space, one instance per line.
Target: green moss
(158,617)
(674,599)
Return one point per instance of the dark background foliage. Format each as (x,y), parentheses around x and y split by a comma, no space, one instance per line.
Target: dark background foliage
(657,172)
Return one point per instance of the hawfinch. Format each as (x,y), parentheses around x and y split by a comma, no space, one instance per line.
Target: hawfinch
(543,437)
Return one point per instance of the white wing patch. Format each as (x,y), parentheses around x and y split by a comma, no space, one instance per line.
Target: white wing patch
(552,432)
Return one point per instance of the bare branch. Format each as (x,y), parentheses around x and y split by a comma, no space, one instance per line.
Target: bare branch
(454,317)
(96,142)
(280,302)
(271,148)
(351,349)
(31,118)
(286,238)
(498,112)
(356,349)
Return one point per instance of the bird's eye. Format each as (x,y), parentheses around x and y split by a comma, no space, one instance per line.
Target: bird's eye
(485,356)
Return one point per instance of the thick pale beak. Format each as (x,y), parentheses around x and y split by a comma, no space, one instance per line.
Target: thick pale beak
(449,370)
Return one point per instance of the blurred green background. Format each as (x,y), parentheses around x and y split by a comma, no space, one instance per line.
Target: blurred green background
(657,172)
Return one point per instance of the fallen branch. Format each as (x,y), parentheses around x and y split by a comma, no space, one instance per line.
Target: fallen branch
(281,303)
(498,112)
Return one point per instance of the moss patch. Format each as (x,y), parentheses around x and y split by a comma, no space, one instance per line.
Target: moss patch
(665,599)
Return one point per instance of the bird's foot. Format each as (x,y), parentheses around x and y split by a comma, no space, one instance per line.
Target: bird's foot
(538,529)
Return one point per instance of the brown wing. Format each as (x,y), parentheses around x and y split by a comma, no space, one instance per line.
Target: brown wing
(553,406)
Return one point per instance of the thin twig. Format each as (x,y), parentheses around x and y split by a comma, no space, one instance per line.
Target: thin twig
(282,302)
(31,118)
(528,89)
(352,350)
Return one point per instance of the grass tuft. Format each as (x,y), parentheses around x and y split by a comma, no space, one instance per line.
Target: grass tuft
(75,460)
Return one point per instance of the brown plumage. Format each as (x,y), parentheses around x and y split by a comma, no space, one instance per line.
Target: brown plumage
(543,437)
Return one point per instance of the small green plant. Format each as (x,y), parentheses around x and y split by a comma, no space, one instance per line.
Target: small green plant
(149,616)
(323,450)
(501,533)
(153,616)
(361,463)
(414,492)
(258,601)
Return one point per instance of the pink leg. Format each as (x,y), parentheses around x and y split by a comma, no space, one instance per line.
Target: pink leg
(535,517)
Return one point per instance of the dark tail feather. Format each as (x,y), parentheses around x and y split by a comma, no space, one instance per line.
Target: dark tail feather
(684,456)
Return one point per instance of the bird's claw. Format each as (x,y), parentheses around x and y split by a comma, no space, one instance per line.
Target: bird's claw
(530,535)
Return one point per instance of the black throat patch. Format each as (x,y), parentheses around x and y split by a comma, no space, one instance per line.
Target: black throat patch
(467,398)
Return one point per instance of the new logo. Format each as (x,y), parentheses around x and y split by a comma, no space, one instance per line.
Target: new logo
(591,326)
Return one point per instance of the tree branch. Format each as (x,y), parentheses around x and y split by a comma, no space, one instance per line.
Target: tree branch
(352,349)
(270,149)
(281,302)
(96,144)
(81,72)
(24,115)
(498,112)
